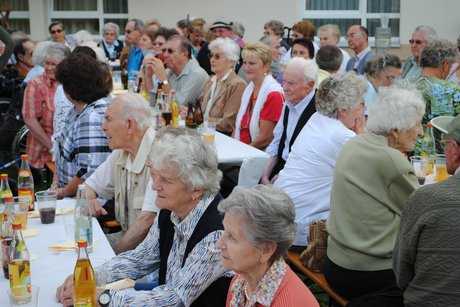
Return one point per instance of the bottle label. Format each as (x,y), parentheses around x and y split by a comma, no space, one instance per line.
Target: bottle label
(24,173)
(82,301)
(26,195)
(6,193)
(19,271)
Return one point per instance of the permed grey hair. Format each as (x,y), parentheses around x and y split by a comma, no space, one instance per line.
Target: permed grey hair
(430,32)
(270,216)
(133,106)
(230,49)
(111,27)
(395,108)
(56,51)
(438,51)
(380,62)
(340,92)
(308,68)
(195,159)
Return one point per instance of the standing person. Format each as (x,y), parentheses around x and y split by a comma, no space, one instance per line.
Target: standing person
(421,37)
(428,234)
(58,35)
(110,43)
(262,100)
(298,87)
(329,35)
(357,38)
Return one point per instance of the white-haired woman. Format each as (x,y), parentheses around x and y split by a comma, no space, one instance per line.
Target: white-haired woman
(372,182)
(262,100)
(111,45)
(181,243)
(223,91)
(259,228)
(84,38)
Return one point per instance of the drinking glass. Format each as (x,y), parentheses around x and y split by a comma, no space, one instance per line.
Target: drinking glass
(441,170)
(23,297)
(46,201)
(21,209)
(420,165)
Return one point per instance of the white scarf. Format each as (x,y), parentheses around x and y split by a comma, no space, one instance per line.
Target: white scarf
(269,85)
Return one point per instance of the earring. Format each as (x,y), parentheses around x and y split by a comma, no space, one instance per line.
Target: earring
(193,197)
(265,73)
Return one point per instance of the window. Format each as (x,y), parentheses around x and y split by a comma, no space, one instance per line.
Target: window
(19,15)
(345,13)
(90,15)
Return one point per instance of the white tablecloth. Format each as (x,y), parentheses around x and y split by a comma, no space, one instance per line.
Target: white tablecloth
(49,269)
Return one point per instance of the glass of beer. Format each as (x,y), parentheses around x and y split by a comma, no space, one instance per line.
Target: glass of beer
(21,209)
(209,132)
(441,170)
(420,165)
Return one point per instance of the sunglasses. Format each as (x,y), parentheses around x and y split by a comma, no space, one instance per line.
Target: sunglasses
(168,50)
(417,42)
(130,31)
(55,31)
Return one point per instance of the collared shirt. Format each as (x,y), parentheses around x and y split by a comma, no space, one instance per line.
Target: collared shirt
(82,135)
(134,60)
(266,288)
(111,48)
(361,55)
(370,95)
(411,69)
(39,104)
(294,114)
(183,284)
(189,84)
(62,108)
(309,170)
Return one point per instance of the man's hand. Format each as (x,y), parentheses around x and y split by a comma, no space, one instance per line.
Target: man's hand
(64,293)
(96,207)
(157,67)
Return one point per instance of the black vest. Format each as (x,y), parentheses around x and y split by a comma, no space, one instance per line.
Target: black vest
(211,220)
(304,117)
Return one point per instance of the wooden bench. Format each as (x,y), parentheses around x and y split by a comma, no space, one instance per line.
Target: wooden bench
(317,278)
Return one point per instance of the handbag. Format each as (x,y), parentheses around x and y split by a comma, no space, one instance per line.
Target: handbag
(314,255)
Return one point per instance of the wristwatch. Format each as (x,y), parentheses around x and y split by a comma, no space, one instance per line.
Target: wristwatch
(165,82)
(105,298)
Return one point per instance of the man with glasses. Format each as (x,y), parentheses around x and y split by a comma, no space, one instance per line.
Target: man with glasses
(357,38)
(421,37)
(23,54)
(183,73)
(131,58)
(425,257)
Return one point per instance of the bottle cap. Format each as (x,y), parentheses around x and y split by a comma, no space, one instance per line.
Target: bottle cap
(4,176)
(24,157)
(82,243)
(16,225)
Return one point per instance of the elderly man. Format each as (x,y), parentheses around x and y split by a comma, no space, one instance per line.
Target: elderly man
(425,257)
(357,38)
(421,37)
(328,58)
(124,174)
(308,173)
(131,56)
(23,54)
(183,74)
(276,28)
(298,85)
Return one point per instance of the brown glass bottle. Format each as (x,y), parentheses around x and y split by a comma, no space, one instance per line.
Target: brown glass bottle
(190,118)
(198,113)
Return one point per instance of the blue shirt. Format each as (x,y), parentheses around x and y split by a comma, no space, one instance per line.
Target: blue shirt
(134,60)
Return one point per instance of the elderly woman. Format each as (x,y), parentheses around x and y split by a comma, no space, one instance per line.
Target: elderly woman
(329,35)
(182,240)
(262,99)
(38,108)
(381,70)
(111,45)
(372,181)
(84,39)
(83,145)
(223,91)
(259,228)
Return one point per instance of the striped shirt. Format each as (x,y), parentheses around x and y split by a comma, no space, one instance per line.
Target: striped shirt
(82,135)
(183,284)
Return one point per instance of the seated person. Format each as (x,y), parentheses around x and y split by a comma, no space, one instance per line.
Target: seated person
(110,43)
(259,228)
(182,240)
(307,175)
(124,175)
(83,145)
(428,235)
(372,181)
(23,55)
(328,59)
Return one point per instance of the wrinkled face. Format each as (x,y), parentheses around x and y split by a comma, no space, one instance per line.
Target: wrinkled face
(295,86)
(327,39)
(109,36)
(219,62)
(357,40)
(350,116)
(57,34)
(145,43)
(387,76)
(222,32)
(26,58)
(197,37)
(159,43)
(407,139)
(50,67)
(132,35)
(115,127)
(300,51)
(238,253)
(175,58)
(275,47)
(417,43)
(254,68)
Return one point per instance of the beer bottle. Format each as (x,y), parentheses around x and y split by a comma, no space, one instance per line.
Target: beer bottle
(190,118)
(26,183)
(174,109)
(19,266)
(428,147)
(83,218)
(84,280)
(198,113)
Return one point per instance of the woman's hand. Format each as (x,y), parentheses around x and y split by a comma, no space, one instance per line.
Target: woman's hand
(64,293)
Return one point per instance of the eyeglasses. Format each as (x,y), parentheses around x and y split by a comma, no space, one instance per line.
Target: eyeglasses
(130,31)
(214,55)
(352,35)
(168,50)
(55,31)
(159,44)
(109,33)
(417,42)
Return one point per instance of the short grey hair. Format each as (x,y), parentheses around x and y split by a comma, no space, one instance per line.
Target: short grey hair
(239,29)
(340,92)
(270,214)
(276,25)
(138,24)
(308,68)
(268,39)
(395,108)
(379,62)
(329,58)
(438,51)
(82,36)
(111,26)
(38,56)
(430,32)
(230,49)
(331,28)
(56,51)
(134,106)
(196,159)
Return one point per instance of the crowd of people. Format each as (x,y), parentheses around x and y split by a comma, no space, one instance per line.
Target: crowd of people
(338,128)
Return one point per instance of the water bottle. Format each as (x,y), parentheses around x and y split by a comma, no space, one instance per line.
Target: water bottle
(83,218)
